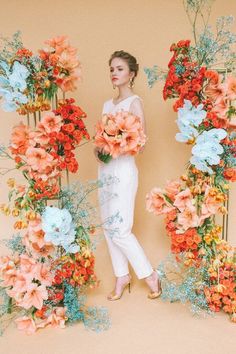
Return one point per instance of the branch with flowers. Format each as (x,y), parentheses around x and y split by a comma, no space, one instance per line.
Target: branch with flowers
(43,281)
(202,268)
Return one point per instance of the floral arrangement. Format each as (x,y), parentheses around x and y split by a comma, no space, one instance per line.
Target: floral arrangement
(119,134)
(28,82)
(202,268)
(43,281)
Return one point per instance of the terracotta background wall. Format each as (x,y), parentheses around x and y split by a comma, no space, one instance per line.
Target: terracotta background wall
(97,28)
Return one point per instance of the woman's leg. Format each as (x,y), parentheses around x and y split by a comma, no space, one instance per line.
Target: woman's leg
(107,210)
(123,243)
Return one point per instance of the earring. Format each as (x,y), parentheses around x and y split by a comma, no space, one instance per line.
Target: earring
(131,83)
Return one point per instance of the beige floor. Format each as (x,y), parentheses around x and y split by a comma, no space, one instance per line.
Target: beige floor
(139,326)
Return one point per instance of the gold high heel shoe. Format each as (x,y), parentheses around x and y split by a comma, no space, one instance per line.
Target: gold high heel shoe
(155,294)
(113,296)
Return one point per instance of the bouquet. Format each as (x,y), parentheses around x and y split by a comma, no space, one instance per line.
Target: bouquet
(119,134)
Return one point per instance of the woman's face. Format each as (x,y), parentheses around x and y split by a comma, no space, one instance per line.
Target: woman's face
(119,72)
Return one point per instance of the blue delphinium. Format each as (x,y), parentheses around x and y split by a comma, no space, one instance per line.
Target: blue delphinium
(59,229)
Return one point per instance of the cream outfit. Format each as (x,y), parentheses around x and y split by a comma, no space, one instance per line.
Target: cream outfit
(123,246)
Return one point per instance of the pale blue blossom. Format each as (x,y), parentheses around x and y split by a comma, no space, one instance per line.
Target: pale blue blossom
(190,114)
(188,132)
(59,228)
(189,118)
(12,85)
(17,78)
(208,149)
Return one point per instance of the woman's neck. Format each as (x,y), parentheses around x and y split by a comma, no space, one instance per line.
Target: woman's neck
(124,92)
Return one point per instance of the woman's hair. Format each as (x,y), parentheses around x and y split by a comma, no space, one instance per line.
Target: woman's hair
(130,60)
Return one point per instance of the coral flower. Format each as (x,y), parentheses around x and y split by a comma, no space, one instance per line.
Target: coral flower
(183,199)
(34,296)
(44,275)
(215,92)
(172,188)
(69,83)
(221,107)
(38,159)
(231,88)
(38,137)
(26,324)
(55,42)
(50,123)
(188,218)
(8,271)
(20,138)
(156,202)
(230,174)
(57,318)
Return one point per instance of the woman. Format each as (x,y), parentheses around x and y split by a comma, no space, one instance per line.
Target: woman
(123,245)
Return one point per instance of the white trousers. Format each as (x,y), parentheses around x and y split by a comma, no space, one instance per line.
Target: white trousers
(123,246)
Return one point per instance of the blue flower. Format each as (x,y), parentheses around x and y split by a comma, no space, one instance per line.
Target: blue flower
(208,149)
(59,228)
(190,114)
(12,85)
(17,78)
(189,118)
(188,132)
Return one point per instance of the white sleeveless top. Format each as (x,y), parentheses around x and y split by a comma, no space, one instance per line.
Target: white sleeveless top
(110,107)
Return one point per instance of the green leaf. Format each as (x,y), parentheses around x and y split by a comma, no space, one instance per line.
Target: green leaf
(104,157)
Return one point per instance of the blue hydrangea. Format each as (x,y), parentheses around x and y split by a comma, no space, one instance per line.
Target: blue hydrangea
(59,229)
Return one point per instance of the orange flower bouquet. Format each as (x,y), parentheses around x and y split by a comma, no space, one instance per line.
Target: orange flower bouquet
(119,134)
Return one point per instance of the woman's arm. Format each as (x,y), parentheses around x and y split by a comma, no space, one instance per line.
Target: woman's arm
(136,108)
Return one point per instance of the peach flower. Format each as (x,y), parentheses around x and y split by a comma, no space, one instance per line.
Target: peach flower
(188,218)
(38,137)
(50,123)
(43,274)
(57,318)
(68,83)
(38,249)
(183,199)
(68,59)
(215,92)
(119,134)
(26,324)
(27,264)
(156,202)
(20,138)
(7,271)
(38,159)
(172,189)
(211,203)
(57,42)
(127,122)
(34,296)
(110,128)
(35,225)
(37,238)
(221,107)
(231,87)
